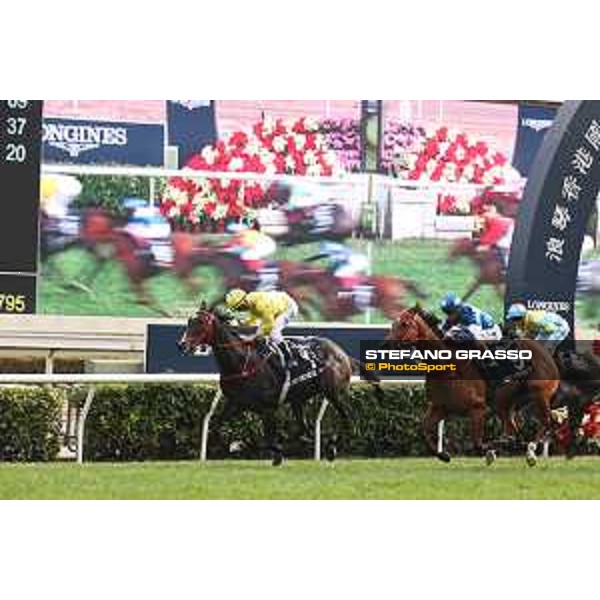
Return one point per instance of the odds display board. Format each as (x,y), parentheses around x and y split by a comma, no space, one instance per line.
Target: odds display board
(20,141)
(559,198)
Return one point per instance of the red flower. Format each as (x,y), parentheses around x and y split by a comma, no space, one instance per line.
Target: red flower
(442,134)
(209,209)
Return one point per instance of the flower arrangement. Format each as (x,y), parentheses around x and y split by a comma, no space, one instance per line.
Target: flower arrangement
(450,156)
(454,205)
(272,147)
(344,138)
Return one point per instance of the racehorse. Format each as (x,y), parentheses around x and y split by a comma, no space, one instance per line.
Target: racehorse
(94,232)
(253,381)
(467,393)
(488,262)
(387,293)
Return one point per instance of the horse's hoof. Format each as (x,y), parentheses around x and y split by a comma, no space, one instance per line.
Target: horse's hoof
(444,457)
(331,452)
(490,457)
(278,459)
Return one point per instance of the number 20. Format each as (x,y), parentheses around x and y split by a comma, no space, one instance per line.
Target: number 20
(16,153)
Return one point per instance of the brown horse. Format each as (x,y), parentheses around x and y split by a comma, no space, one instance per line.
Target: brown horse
(488,263)
(466,394)
(388,293)
(254,380)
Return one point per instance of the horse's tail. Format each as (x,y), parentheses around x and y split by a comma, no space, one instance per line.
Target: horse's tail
(371,377)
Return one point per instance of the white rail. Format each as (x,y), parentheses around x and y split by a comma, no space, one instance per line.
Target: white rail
(342,178)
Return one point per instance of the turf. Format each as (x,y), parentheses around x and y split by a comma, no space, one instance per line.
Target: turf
(346,480)
(424,262)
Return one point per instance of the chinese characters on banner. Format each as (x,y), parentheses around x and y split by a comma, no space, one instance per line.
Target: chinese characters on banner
(559,197)
(581,163)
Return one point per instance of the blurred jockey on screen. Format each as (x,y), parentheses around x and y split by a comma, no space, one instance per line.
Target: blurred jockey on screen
(251,245)
(347,265)
(541,325)
(466,316)
(497,232)
(271,311)
(350,268)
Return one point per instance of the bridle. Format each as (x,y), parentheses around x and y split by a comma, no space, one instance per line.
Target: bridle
(236,343)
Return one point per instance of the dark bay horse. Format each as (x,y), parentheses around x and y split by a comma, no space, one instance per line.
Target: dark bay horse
(466,394)
(251,381)
(488,263)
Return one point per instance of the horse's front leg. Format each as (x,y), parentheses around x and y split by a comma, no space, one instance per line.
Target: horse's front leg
(477,422)
(273,441)
(300,417)
(544,415)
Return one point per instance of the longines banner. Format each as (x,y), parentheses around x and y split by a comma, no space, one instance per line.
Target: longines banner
(78,141)
(534,122)
(559,198)
(192,125)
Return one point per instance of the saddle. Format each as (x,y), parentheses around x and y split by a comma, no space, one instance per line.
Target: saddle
(300,357)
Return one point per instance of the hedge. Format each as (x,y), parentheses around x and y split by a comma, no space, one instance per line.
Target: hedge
(164,422)
(160,422)
(108,192)
(29,424)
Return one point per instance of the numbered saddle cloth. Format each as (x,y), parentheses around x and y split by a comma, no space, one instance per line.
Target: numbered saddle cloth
(301,356)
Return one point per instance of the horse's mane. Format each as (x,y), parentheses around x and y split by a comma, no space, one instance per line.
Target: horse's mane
(430,318)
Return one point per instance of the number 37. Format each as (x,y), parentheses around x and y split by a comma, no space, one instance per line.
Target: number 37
(11,303)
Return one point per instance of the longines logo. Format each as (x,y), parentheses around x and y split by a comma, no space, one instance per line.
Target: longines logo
(556,306)
(536,124)
(77,139)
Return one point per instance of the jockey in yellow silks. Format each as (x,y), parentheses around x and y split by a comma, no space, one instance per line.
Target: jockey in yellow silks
(271,311)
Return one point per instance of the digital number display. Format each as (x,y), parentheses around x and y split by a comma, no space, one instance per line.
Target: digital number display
(20,147)
(17,294)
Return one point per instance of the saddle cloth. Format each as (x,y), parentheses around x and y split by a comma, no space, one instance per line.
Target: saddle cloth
(301,356)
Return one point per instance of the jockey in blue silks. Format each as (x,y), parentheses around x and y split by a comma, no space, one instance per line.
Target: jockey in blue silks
(463,316)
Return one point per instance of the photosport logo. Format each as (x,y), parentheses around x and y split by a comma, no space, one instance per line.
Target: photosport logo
(76,139)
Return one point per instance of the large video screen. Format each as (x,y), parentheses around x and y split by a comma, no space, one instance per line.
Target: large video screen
(356,208)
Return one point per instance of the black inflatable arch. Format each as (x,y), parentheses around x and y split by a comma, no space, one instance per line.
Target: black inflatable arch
(558,200)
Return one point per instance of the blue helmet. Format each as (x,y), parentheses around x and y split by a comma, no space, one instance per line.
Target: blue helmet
(516,312)
(450,302)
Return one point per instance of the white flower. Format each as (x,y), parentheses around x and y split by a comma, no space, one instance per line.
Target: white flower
(173,212)
(236,164)
(209,155)
(253,146)
(469,172)
(290,163)
(311,124)
(220,211)
(199,200)
(314,170)
(330,157)
(300,141)
(279,143)
(271,169)
(268,125)
(310,158)
(431,166)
